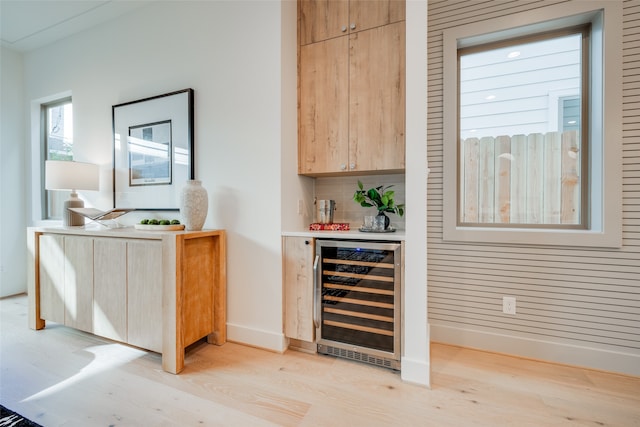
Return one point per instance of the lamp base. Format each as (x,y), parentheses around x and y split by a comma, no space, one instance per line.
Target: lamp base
(70,218)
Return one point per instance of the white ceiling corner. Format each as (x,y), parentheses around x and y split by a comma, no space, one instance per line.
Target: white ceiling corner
(30,24)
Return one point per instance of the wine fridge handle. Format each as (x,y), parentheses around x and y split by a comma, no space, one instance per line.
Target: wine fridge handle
(316,292)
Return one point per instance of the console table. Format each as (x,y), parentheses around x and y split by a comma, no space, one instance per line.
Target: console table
(157,290)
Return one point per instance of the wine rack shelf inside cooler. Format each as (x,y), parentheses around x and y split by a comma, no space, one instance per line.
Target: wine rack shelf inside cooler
(359,297)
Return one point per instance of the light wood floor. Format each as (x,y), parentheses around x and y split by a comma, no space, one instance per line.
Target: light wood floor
(61,377)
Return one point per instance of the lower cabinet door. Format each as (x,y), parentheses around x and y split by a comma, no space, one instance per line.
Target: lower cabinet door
(110,288)
(298,254)
(51,273)
(78,282)
(144,271)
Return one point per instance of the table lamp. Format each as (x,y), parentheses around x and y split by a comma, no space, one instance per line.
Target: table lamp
(70,175)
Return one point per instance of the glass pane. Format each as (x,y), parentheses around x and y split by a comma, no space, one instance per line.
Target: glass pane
(520,120)
(60,132)
(58,146)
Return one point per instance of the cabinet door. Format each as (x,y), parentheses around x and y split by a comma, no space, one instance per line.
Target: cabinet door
(51,271)
(377,99)
(78,282)
(110,288)
(322,19)
(324,103)
(298,257)
(367,14)
(144,306)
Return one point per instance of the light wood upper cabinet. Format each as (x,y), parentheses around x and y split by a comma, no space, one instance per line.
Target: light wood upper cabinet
(324,19)
(324,106)
(298,258)
(366,14)
(352,103)
(377,98)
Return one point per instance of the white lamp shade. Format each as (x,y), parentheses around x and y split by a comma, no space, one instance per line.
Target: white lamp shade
(69,175)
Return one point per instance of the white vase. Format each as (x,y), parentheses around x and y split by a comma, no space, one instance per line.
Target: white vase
(194,203)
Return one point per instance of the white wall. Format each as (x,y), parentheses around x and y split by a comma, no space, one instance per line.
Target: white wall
(416,365)
(12,177)
(231,54)
(294,188)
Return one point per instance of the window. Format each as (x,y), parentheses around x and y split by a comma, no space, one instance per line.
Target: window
(518,162)
(57,126)
(532,127)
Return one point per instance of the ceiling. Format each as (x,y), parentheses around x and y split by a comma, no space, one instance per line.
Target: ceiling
(30,24)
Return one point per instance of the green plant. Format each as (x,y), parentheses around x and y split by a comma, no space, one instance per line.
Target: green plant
(379,197)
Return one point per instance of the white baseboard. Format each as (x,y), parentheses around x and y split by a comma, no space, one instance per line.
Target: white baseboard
(568,354)
(256,338)
(415,371)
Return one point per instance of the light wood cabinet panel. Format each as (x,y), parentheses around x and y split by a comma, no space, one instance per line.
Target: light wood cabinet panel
(197,273)
(78,280)
(377,98)
(320,20)
(144,294)
(298,258)
(110,288)
(194,279)
(324,103)
(366,14)
(51,274)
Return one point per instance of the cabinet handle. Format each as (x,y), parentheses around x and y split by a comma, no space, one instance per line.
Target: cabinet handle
(353,25)
(352,166)
(306,242)
(344,28)
(317,299)
(343,167)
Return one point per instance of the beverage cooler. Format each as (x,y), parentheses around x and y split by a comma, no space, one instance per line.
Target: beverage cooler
(357,300)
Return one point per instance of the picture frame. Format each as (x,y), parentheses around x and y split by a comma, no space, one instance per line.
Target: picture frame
(153,150)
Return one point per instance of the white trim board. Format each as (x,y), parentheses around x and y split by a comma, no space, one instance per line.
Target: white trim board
(547,351)
(256,338)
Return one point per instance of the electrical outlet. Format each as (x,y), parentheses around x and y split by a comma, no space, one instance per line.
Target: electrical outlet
(509,305)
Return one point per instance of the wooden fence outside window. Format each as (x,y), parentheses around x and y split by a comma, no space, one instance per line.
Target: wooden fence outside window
(521,179)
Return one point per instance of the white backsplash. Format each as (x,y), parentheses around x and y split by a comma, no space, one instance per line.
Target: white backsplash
(341,190)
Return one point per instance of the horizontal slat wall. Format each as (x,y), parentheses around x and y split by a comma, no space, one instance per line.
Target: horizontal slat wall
(585,297)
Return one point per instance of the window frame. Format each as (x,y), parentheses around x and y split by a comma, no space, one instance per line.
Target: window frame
(38,157)
(604,115)
(47,211)
(585,31)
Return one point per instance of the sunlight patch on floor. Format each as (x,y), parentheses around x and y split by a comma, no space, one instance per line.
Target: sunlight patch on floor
(106,357)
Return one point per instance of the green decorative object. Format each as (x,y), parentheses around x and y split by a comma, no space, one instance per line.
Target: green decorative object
(380,198)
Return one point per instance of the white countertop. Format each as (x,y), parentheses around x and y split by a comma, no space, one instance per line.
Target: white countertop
(398,235)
